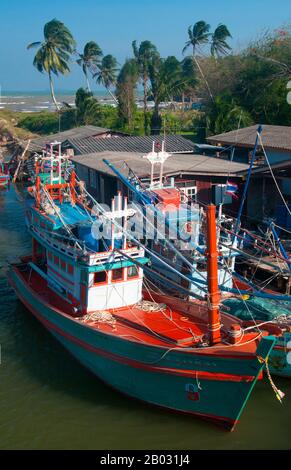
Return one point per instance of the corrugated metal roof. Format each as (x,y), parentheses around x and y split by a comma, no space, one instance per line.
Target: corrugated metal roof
(273,137)
(173,144)
(77,132)
(175,165)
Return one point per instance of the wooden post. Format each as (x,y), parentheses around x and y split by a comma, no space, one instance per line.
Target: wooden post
(212,277)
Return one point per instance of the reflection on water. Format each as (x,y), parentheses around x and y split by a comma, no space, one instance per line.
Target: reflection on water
(49,401)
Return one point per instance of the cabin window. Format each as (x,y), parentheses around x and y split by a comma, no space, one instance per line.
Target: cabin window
(132,271)
(100,277)
(70,269)
(56,260)
(50,255)
(63,265)
(117,275)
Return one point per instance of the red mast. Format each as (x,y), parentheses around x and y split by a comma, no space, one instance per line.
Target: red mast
(212,277)
(37,187)
(72,186)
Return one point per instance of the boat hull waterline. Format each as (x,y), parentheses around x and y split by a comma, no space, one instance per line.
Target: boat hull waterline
(213,386)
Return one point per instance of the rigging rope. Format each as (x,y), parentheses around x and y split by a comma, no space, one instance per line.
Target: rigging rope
(273,176)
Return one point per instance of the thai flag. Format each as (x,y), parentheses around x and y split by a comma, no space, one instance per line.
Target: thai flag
(231,189)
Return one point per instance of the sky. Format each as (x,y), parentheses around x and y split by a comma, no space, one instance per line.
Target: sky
(115,24)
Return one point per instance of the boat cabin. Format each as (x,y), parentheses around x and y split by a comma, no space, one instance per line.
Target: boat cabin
(90,272)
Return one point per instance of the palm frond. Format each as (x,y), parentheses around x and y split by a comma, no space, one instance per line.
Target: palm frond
(219,46)
(33,44)
(188,43)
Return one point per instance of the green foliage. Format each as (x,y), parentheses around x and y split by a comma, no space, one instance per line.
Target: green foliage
(88,110)
(125,92)
(219,46)
(143,55)
(106,74)
(225,115)
(54,52)
(198,35)
(241,89)
(89,59)
(261,84)
(48,123)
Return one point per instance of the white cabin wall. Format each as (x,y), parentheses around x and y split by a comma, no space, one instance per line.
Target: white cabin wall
(115,295)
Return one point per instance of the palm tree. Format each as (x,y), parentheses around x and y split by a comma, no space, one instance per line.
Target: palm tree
(219,46)
(89,59)
(125,90)
(143,55)
(198,35)
(165,78)
(106,74)
(189,78)
(54,52)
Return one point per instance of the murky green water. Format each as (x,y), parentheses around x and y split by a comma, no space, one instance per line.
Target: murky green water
(48,401)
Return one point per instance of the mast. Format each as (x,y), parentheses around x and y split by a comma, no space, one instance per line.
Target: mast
(281,247)
(37,188)
(72,187)
(212,278)
(237,225)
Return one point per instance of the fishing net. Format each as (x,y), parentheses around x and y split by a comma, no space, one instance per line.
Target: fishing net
(260,309)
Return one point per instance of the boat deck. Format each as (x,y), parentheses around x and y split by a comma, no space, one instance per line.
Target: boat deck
(168,326)
(163,326)
(158,327)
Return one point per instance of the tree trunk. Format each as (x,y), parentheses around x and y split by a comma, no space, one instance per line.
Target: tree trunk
(88,83)
(183,101)
(156,123)
(202,74)
(53,93)
(145,106)
(112,95)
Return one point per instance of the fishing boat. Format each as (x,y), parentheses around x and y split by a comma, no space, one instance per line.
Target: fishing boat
(182,271)
(4,176)
(88,292)
(45,165)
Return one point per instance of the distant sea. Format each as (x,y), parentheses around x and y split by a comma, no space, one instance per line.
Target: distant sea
(36,101)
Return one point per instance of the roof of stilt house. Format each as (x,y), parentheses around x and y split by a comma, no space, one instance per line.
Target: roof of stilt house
(175,165)
(82,132)
(173,144)
(273,137)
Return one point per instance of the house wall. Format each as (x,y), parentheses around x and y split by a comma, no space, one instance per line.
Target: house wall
(263,198)
(275,156)
(102,187)
(243,155)
(286,187)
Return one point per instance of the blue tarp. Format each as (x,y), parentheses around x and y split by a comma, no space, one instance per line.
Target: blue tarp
(71,215)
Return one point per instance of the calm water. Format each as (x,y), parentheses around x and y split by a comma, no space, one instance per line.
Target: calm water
(48,401)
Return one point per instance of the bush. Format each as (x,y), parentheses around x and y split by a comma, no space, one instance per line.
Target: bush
(48,122)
